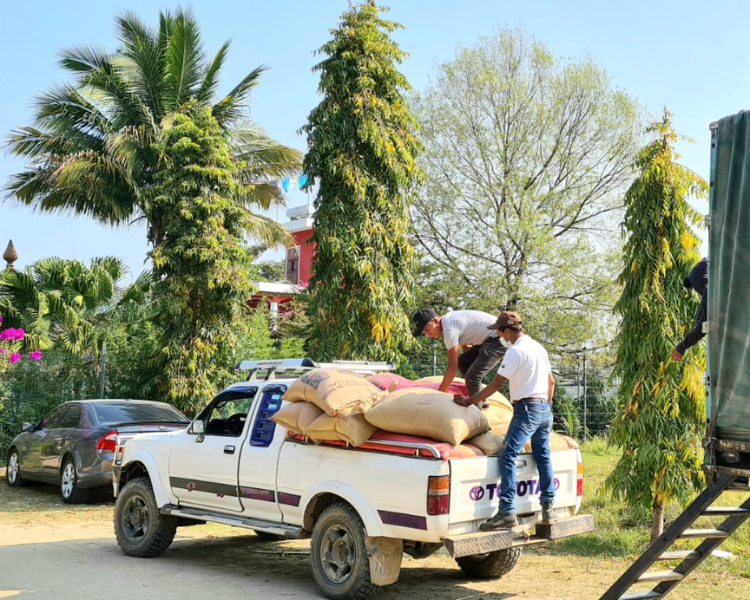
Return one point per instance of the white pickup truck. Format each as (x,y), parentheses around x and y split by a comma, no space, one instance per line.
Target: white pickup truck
(362,507)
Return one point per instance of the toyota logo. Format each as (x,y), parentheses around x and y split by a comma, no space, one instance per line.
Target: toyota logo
(476,493)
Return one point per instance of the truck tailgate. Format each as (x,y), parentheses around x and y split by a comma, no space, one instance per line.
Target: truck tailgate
(475,483)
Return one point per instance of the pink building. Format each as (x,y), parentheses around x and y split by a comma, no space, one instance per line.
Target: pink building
(298,263)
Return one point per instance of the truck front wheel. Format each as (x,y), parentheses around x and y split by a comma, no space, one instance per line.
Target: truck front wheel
(140,528)
(491,565)
(339,557)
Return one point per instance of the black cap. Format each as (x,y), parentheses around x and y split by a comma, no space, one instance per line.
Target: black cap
(421,318)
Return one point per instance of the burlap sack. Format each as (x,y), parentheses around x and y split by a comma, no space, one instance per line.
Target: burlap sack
(427,413)
(496,436)
(354,429)
(497,399)
(298,416)
(489,443)
(498,415)
(337,392)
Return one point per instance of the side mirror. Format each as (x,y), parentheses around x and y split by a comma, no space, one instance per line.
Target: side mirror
(28,427)
(197,426)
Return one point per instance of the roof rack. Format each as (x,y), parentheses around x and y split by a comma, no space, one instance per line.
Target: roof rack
(300,365)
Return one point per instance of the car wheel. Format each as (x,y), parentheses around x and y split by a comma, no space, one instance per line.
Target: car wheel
(338,555)
(69,490)
(13,471)
(491,565)
(140,528)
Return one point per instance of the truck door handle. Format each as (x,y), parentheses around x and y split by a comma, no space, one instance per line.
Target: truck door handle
(521,462)
(228,449)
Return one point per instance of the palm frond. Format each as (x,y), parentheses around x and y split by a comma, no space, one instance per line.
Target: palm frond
(184,60)
(231,108)
(210,82)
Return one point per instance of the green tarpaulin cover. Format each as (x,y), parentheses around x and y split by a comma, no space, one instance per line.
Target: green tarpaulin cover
(729,279)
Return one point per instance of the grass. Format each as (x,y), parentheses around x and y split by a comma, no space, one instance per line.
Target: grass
(623,533)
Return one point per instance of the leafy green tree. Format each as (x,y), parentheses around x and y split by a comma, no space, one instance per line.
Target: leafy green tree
(661,404)
(201,267)
(526,157)
(91,149)
(63,303)
(362,150)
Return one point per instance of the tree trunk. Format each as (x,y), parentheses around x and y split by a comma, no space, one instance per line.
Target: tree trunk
(657,525)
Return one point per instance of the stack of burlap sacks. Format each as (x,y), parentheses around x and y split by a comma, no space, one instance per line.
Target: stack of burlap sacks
(336,404)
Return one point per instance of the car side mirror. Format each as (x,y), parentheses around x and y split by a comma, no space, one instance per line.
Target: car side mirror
(197,426)
(28,427)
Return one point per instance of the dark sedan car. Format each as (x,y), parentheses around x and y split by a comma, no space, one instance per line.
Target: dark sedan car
(74,445)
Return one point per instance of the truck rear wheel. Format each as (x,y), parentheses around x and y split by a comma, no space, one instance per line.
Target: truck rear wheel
(338,555)
(491,565)
(140,528)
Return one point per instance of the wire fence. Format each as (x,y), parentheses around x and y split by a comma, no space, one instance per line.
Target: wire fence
(583,406)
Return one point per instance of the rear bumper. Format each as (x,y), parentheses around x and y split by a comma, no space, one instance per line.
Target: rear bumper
(480,542)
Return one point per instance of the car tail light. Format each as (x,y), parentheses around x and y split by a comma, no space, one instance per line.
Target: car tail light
(438,495)
(108,441)
(579,486)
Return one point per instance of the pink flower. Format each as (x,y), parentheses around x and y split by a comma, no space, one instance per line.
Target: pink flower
(2,350)
(35,355)
(14,357)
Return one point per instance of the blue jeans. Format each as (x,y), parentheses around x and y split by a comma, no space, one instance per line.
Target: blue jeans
(530,420)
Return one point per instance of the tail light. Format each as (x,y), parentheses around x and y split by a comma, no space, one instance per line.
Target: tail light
(438,495)
(579,483)
(108,441)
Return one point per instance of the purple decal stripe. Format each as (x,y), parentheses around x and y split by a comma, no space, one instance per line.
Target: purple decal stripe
(402,520)
(290,499)
(258,494)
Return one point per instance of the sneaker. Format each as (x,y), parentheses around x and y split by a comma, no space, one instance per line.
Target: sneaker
(501,520)
(548,514)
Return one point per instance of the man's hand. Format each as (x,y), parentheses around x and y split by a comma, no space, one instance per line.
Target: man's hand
(462,400)
(676,355)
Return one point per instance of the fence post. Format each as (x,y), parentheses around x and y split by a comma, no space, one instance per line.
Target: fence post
(434,357)
(585,394)
(102,369)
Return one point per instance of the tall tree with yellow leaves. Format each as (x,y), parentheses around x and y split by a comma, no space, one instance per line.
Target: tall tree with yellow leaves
(661,413)
(362,151)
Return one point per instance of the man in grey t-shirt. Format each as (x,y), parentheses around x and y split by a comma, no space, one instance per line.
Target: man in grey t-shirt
(467,329)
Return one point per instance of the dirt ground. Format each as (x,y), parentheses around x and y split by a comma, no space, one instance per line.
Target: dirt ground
(49,550)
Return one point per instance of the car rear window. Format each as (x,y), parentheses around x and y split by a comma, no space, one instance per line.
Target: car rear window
(112,414)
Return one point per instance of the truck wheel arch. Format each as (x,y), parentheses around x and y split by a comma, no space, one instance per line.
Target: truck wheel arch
(141,466)
(321,500)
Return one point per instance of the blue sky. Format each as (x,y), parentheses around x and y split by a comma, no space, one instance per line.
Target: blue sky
(688,55)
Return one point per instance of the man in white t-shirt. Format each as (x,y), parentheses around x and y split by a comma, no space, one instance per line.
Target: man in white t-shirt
(467,329)
(527,368)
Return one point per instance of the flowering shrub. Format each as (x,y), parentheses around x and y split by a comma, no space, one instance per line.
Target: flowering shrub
(10,344)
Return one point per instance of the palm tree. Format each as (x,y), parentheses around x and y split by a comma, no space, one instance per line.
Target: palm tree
(91,147)
(64,304)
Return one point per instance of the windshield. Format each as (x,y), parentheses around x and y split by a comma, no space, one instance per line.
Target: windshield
(112,414)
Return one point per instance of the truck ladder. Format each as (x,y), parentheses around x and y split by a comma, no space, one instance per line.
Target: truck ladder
(702,506)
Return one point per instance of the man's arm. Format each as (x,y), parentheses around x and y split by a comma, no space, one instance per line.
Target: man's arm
(482,395)
(451,369)
(695,335)
(550,387)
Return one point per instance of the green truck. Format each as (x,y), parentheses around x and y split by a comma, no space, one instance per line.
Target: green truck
(728,346)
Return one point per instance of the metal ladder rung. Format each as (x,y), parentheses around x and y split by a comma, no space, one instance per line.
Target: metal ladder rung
(641,596)
(661,576)
(726,511)
(704,533)
(679,555)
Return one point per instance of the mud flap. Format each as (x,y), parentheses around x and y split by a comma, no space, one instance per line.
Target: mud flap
(385,556)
